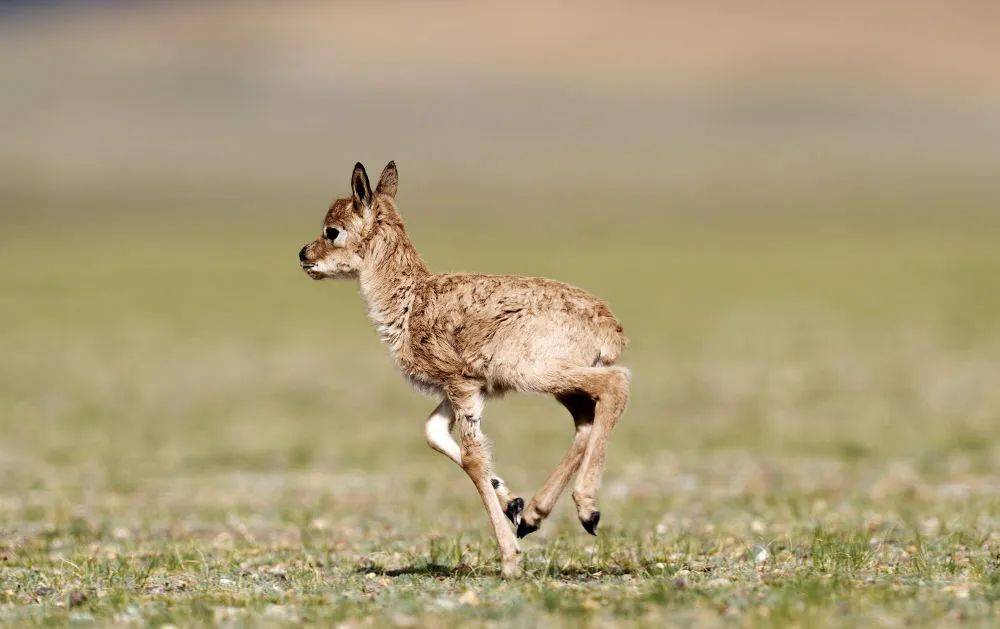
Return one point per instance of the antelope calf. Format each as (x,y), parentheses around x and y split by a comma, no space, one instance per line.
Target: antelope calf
(464,337)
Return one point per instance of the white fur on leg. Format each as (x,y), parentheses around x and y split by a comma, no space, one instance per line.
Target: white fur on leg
(438,433)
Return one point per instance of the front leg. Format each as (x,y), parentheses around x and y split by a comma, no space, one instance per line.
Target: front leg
(438,428)
(466,399)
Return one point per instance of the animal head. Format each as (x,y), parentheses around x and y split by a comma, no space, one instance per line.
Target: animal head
(349,226)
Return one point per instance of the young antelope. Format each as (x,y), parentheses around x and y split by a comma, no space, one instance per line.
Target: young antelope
(464,337)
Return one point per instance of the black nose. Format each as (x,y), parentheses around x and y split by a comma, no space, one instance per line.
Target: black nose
(302,253)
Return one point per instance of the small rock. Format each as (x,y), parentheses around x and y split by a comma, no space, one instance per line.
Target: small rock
(445,604)
(224,614)
(278,612)
(930,526)
(469,597)
(402,620)
(279,572)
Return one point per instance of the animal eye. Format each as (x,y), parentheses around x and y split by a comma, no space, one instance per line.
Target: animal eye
(331,233)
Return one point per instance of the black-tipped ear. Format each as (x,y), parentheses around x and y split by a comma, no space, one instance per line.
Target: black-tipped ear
(360,187)
(388,183)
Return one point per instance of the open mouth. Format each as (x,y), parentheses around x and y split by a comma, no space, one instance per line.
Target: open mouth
(307,266)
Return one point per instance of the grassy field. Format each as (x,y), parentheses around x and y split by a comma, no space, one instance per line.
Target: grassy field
(194,432)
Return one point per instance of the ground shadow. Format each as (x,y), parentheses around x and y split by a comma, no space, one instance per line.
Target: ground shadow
(465,570)
(427,570)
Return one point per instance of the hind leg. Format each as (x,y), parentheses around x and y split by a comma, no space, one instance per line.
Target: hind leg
(611,391)
(608,387)
(541,505)
(438,428)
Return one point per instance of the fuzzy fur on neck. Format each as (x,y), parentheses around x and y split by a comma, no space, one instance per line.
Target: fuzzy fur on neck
(390,276)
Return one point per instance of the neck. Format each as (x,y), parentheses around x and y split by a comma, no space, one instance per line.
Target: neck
(389,277)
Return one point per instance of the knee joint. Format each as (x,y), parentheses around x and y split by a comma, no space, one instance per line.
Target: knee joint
(616,389)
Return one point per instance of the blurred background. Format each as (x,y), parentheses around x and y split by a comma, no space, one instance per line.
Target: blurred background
(793,208)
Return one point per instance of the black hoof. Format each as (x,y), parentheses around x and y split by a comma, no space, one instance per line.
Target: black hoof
(524,528)
(590,524)
(514,509)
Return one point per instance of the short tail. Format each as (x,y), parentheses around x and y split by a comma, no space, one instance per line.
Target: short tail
(614,344)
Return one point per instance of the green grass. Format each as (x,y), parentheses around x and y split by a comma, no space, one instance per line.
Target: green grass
(193,432)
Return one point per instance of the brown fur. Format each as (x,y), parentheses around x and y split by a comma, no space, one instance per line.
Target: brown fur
(463,336)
